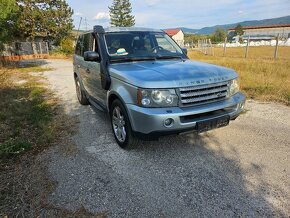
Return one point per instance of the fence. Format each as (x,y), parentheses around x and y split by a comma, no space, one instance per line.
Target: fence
(206,47)
(25,50)
(180,43)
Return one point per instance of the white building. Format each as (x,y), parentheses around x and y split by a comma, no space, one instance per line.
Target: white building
(177,35)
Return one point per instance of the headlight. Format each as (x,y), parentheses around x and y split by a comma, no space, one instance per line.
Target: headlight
(233,87)
(157,98)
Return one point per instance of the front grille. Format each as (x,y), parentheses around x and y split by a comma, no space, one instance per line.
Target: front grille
(203,94)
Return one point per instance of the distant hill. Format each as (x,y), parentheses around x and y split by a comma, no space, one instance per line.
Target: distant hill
(209,30)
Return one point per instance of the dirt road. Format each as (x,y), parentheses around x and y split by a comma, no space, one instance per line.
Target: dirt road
(240,170)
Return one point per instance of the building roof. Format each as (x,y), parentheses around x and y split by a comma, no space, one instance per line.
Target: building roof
(263,26)
(172,32)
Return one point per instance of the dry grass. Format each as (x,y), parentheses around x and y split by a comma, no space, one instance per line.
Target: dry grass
(59,55)
(260,52)
(261,76)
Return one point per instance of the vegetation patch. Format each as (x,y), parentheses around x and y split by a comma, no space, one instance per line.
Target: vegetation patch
(30,122)
(25,112)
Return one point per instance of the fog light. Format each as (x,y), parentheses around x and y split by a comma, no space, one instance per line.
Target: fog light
(168,122)
(242,105)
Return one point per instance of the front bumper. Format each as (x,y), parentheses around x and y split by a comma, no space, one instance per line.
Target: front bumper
(149,122)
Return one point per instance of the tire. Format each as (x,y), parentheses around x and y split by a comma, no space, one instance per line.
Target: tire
(121,126)
(80,92)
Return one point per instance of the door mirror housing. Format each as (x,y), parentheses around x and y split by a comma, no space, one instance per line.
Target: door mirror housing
(184,50)
(91,56)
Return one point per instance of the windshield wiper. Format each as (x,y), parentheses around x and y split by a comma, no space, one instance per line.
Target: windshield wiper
(129,59)
(169,57)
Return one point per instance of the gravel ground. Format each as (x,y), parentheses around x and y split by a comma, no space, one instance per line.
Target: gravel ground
(240,170)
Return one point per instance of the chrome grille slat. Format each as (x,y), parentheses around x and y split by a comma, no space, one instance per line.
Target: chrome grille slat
(203,94)
(205,98)
(186,89)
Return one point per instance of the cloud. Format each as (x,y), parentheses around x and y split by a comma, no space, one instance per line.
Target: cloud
(102,16)
(152,3)
(78,14)
(189,13)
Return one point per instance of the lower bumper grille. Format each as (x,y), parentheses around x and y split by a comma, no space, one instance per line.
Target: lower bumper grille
(203,94)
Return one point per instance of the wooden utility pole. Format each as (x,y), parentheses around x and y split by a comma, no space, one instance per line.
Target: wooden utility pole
(78,34)
(225,46)
(247,49)
(277,45)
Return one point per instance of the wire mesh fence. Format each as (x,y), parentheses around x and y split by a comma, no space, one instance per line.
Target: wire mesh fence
(275,48)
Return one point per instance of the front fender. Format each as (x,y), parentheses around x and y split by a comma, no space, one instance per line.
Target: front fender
(124,91)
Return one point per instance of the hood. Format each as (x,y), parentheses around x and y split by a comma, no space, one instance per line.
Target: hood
(170,73)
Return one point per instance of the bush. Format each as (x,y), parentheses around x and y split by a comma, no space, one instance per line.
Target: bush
(67,46)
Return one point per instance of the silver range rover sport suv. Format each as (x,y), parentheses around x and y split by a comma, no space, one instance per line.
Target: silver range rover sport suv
(149,87)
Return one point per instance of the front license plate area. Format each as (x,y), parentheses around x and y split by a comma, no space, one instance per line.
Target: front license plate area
(207,125)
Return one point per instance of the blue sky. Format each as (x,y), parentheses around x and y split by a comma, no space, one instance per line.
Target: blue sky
(181,13)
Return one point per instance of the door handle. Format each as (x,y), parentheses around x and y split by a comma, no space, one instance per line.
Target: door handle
(88,71)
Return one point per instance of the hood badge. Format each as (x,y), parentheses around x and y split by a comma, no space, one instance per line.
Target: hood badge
(202,81)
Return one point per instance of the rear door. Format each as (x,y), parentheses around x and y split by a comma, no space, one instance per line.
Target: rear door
(86,45)
(78,58)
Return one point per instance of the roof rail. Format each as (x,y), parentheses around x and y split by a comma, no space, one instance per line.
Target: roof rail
(99,29)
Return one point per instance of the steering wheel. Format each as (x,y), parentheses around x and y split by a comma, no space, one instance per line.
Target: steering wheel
(157,48)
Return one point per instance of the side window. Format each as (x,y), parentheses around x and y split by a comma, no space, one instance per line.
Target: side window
(88,43)
(79,46)
(148,44)
(164,43)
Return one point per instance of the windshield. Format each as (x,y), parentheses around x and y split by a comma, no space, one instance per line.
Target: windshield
(141,46)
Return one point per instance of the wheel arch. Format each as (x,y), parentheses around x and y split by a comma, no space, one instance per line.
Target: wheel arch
(112,97)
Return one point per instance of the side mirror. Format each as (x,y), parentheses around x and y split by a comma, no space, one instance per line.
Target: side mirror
(91,56)
(184,50)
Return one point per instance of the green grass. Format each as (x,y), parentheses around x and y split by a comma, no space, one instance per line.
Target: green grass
(26,113)
(261,77)
(34,69)
(15,146)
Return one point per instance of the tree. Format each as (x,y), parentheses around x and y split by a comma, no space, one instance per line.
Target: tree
(120,14)
(219,35)
(239,30)
(45,18)
(8,9)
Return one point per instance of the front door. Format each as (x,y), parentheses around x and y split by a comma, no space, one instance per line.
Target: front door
(92,74)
